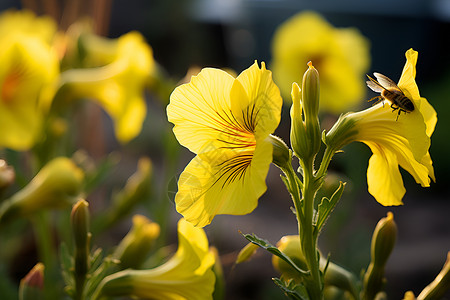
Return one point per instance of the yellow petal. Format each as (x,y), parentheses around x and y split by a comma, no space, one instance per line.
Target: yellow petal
(407,80)
(383,177)
(260,111)
(200,109)
(223,182)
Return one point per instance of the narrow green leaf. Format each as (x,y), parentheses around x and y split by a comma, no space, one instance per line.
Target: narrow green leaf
(274,250)
(326,206)
(292,290)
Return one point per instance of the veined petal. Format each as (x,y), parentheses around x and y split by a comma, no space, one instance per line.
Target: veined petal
(200,109)
(223,182)
(383,177)
(262,112)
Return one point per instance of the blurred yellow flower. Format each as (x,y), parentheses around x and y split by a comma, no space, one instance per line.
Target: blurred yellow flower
(26,22)
(226,121)
(341,55)
(404,142)
(28,66)
(118,86)
(187,275)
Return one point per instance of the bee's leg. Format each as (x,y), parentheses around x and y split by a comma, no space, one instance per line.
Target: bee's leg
(378,100)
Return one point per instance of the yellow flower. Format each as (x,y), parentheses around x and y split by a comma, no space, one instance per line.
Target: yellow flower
(27,67)
(340,55)
(226,121)
(187,275)
(404,142)
(118,86)
(13,22)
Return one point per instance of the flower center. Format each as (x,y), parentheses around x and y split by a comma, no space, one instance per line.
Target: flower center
(10,85)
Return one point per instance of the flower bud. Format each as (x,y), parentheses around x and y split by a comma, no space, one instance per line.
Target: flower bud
(281,153)
(383,241)
(56,186)
(290,246)
(135,246)
(137,189)
(79,218)
(32,285)
(305,130)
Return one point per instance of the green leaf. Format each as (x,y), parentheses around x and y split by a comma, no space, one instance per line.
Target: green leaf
(274,250)
(292,290)
(326,206)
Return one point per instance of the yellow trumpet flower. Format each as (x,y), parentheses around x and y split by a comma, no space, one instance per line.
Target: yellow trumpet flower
(226,121)
(187,275)
(28,66)
(341,55)
(118,86)
(394,142)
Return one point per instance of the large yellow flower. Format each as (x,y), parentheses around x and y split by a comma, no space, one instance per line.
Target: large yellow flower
(226,121)
(117,86)
(341,55)
(394,142)
(187,275)
(28,66)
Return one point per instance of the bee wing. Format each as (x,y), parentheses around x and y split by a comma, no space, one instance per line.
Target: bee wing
(374,85)
(386,82)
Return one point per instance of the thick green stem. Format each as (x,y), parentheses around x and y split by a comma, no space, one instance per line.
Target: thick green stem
(307,237)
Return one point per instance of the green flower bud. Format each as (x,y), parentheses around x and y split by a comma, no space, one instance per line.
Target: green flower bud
(383,241)
(56,186)
(281,153)
(305,129)
(339,277)
(79,218)
(80,227)
(290,246)
(136,245)
(439,286)
(137,189)
(32,285)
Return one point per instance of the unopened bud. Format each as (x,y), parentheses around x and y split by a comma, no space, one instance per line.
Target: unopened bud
(137,189)
(305,130)
(383,241)
(290,246)
(281,154)
(57,185)
(80,227)
(135,246)
(32,285)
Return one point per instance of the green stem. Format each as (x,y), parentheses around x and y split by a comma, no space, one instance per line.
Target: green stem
(294,184)
(307,237)
(42,229)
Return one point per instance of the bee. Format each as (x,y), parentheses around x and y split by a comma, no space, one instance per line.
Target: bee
(389,90)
